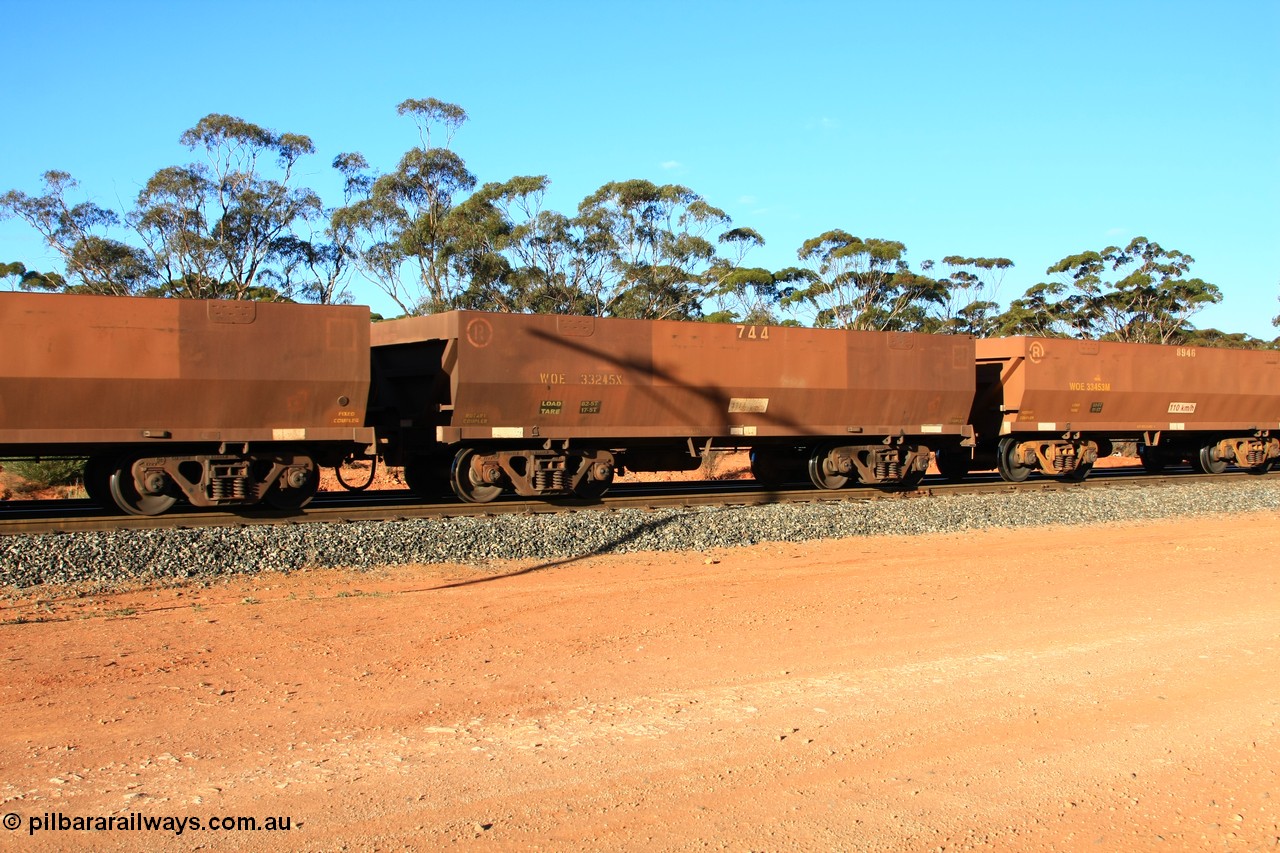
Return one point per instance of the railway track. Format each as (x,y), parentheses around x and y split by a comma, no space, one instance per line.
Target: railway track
(68,516)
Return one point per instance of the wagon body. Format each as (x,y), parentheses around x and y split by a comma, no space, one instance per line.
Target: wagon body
(500,380)
(1054,385)
(79,371)
(1169,401)
(219,403)
(521,376)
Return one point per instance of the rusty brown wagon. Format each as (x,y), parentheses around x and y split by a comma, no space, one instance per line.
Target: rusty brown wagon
(220,403)
(554,405)
(1055,405)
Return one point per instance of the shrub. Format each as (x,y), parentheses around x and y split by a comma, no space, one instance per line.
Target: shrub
(45,473)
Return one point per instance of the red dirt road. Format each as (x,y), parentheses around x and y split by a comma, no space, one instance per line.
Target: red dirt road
(1104,688)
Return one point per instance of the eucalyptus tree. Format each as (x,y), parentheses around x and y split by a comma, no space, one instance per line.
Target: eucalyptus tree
(1046,310)
(551,274)
(477,231)
(316,265)
(1149,300)
(972,287)
(79,232)
(402,225)
(315,270)
(1226,340)
(542,268)
(223,227)
(16,271)
(645,249)
(856,283)
(738,293)
(918,305)
(25,279)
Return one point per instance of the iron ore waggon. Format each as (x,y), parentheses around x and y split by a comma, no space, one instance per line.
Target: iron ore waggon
(226,404)
(1054,405)
(553,405)
(220,403)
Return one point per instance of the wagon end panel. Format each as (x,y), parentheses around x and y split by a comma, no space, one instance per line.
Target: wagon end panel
(300,372)
(413,364)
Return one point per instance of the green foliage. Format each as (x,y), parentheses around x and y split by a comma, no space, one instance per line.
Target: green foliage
(650,249)
(971,289)
(522,257)
(1227,340)
(41,474)
(1149,301)
(857,283)
(405,220)
(236,223)
(95,263)
(224,227)
(1040,314)
(25,279)
(219,228)
(431,113)
(740,294)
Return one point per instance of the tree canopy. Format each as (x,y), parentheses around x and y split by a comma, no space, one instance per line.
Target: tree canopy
(238,223)
(1139,293)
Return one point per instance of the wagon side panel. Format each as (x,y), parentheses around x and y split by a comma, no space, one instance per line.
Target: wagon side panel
(581,377)
(81,370)
(1052,385)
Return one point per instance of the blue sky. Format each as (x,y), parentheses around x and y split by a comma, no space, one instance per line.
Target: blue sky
(1025,130)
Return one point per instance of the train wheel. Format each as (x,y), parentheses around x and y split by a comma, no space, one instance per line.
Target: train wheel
(97,480)
(1011,470)
(1206,462)
(820,474)
(127,497)
(462,478)
(592,490)
(1153,461)
(593,487)
(912,479)
(297,493)
(1264,468)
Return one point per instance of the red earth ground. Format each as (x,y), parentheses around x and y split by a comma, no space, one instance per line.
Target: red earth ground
(1112,687)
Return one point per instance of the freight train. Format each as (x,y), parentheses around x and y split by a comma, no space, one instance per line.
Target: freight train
(229,404)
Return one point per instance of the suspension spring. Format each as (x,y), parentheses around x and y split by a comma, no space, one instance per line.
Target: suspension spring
(888,470)
(229,488)
(554,480)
